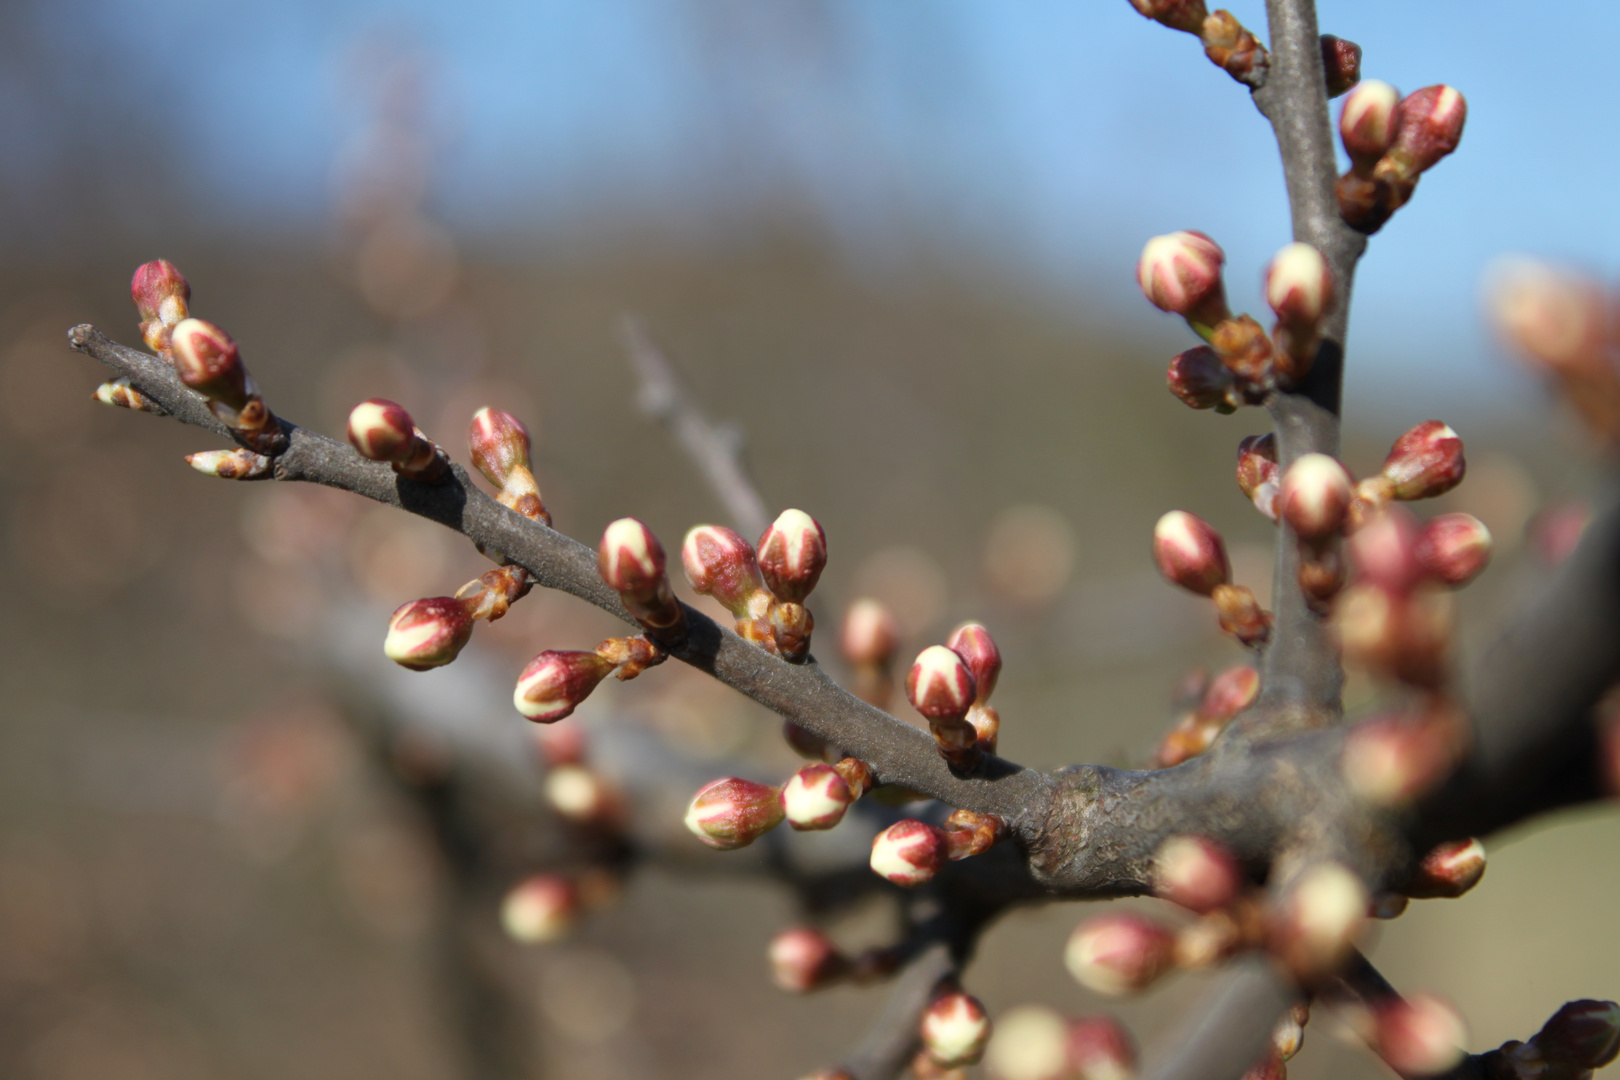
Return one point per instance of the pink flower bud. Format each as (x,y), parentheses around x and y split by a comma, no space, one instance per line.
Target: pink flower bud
(1449,871)
(1391,760)
(541,908)
(238,464)
(1385,551)
(1200,379)
(1430,127)
(816,797)
(631,560)
(908,852)
(554,683)
(732,813)
(427,633)
(160,291)
(939,685)
(719,563)
(804,959)
(583,796)
(1419,1036)
(499,444)
(1425,462)
(1555,319)
(871,633)
(208,361)
(1196,873)
(1453,548)
(1099,1049)
(972,642)
(1118,954)
(1190,553)
(1368,121)
(1341,64)
(1229,693)
(1299,285)
(1315,497)
(1181,273)
(792,554)
(1319,920)
(954,1030)
(1184,15)
(381,430)
(1582,1035)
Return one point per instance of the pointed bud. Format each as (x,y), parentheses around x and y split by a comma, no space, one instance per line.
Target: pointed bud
(499,444)
(1582,1035)
(427,633)
(1341,64)
(1184,15)
(1240,614)
(954,1030)
(804,959)
(871,634)
(719,563)
(1315,497)
(1118,954)
(1425,462)
(1430,127)
(939,685)
(238,464)
(733,813)
(1287,1037)
(541,908)
(1299,285)
(209,362)
(1200,380)
(160,291)
(1553,318)
(1419,1036)
(1181,273)
(1454,548)
(554,683)
(1319,920)
(1257,472)
(631,560)
(792,554)
(1449,870)
(120,394)
(1229,693)
(1385,551)
(816,797)
(1190,553)
(908,852)
(1233,47)
(1368,121)
(381,430)
(1196,873)
(972,642)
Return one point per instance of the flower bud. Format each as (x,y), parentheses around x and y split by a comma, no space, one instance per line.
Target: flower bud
(1385,551)
(1119,953)
(792,554)
(1449,870)
(969,833)
(972,642)
(804,959)
(554,683)
(939,685)
(1299,285)
(631,560)
(1287,1037)
(541,908)
(499,444)
(1341,64)
(732,813)
(582,796)
(208,361)
(1555,319)
(1031,1042)
(1431,124)
(238,464)
(1229,693)
(1319,920)
(160,291)
(816,797)
(909,852)
(1181,273)
(1453,548)
(427,633)
(1099,1049)
(1425,462)
(381,430)
(120,394)
(1419,1035)
(1196,873)
(1190,553)
(1315,497)
(1240,613)
(1200,380)
(1184,15)
(1368,121)
(871,633)
(1582,1035)
(1233,47)
(1245,350)
(1257,472)
(954,1030)
(719,563)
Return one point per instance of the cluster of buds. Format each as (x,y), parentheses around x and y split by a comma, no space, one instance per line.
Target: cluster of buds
(1190,553)
(1227,43)
(1036,1043)
(209,362)
(1212,706)
(954,1030)
(431,632)
(381,430)
(1390,760)
(803,959)
(733,813)
(766,592)
(556,682)
(499,444)
(1580,1037)
(950,685)
(1391,142)
(911,852)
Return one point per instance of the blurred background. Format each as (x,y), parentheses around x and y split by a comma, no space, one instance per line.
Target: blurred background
(895,245)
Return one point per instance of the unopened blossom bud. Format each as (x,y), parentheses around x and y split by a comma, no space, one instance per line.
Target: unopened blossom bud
(631,560)
(1448,871)
(1453,548)
(909,852)
(940,685)
(804,959)
(1385,551)
(1240,614)
(954,1030)
(1190,553)
(1229,693)
(721,564)
(238,464)
(1341,64)
(583,796)
(1099,1049)
(1391,760)
(1185,15)
(160,291)
(1368,121)
(208,361)
(541,908)
(1580,1036)
(499,444)
(733,813)
(1319,920)
(1031,1042)
(1120,953)
(816,797)
(972,642)
(120,394)
(1425,462)
(554,683)
(792,554)
(381,430)
(1181,273)
(428,633)
(1258,474)
(1418,1036)
(1431,124)
(1196,873)
(1200,380)
(1555,319)
(1299,285)
(871,634)
(1315,497)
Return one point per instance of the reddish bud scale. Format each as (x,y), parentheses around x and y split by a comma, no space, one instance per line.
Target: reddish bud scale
(1190,553)
(1384,551)
(1453,548)
(732,813)
(541,908)
(1580,1036)
(1240,614)
(1341,64)
(1184,15)
(719,563)
(909,852)
(804,959)
(554,683)
(1425,462)
(428,633)
(791,625)
(1448,871)
(1181,273)
(494,591)
(816,797)
(1418,1036)
(1233,48)
(1119,953)
(1229,693)
(968,833)
(792,555)
(1431,124)
(1270,1067)
(1315,498)
(954,1030)
(972,642)
(1246,351)
(1196,873)
(499,445)
(632,562)
(857,774)
(1201,381)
